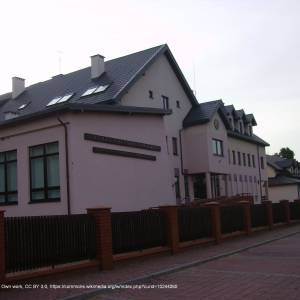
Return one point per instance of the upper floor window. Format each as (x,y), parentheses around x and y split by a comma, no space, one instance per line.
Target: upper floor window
(217,147)
(244,159)
(44,172)
(253,161)
(231,122)
(166,103)
(250,130)
(262,162)
(241,127)
(233,157)
(178,104)
(239,158)
(175,146)
(229,160)
(249,160)
(8,178)
(151,94)
(177,186)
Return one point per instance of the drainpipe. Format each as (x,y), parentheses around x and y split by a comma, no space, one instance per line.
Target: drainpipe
(181,157)
(67,163)
(259,172)
(181,167)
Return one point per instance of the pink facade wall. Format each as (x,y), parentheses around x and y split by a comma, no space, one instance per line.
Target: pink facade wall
(119,182)
(95,179)
(20,138)
(199,158)
(161,80)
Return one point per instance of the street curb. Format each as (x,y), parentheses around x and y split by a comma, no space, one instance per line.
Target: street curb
(88,294)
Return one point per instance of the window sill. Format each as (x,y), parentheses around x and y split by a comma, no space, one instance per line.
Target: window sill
(8,203)
(218,155)
(43,201)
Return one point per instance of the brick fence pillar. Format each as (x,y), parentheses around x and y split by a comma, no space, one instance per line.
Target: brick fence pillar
(286,206)
(216,220)
(102,216)
(247,216)
(172,229)
(2,247)
(269,208)
(298,202)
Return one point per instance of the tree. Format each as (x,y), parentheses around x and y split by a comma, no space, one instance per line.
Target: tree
(287,153)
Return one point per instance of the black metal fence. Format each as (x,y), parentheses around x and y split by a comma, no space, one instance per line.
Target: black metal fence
(232,218)
(294,211)
(259,215)
(138,230)
(194,223)
(278,213)
(41,241)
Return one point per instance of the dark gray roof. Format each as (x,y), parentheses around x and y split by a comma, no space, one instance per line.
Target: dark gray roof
(81,107)
(120,73)
(203,113)
(248,138)
(250,119)
(282,180)
(229,108)
(279,162)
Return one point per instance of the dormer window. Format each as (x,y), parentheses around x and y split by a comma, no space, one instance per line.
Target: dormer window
(250,130)
(231,122)
(241,127)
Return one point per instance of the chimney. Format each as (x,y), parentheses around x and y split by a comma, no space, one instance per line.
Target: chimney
(97,66)
(18,86)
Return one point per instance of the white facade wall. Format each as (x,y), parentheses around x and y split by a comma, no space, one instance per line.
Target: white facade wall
(284,192)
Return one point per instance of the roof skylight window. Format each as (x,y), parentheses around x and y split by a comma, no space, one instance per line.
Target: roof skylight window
(89,91)
(95,90)
(54,101)
(65,98)
(60,99)
(23,106)
(101,88)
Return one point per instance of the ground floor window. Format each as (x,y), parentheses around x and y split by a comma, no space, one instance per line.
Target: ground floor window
(44,172)
(8,177)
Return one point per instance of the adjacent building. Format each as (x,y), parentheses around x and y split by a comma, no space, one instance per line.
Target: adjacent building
(284,178)
(126,133)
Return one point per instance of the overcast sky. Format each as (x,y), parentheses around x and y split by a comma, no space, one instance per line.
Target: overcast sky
(245,52)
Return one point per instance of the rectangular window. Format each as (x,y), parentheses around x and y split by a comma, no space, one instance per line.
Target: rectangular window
(229,160)
(233,157)
(150,94)
(175,146)
(235,177)
(166,103)
(217,147)
(262,162)
(44,173)
(178,104)
(253,161)
(8,178)
(249,160)
(239,158)
(244,159)
(177,187)
(186,188)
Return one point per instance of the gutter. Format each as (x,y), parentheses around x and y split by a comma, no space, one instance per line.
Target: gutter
(67,163)
(259,172)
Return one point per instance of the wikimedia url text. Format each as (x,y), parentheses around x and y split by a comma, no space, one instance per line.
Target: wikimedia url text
(89,286)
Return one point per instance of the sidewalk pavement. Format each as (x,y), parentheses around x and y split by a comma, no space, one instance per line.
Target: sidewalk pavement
(143,268)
